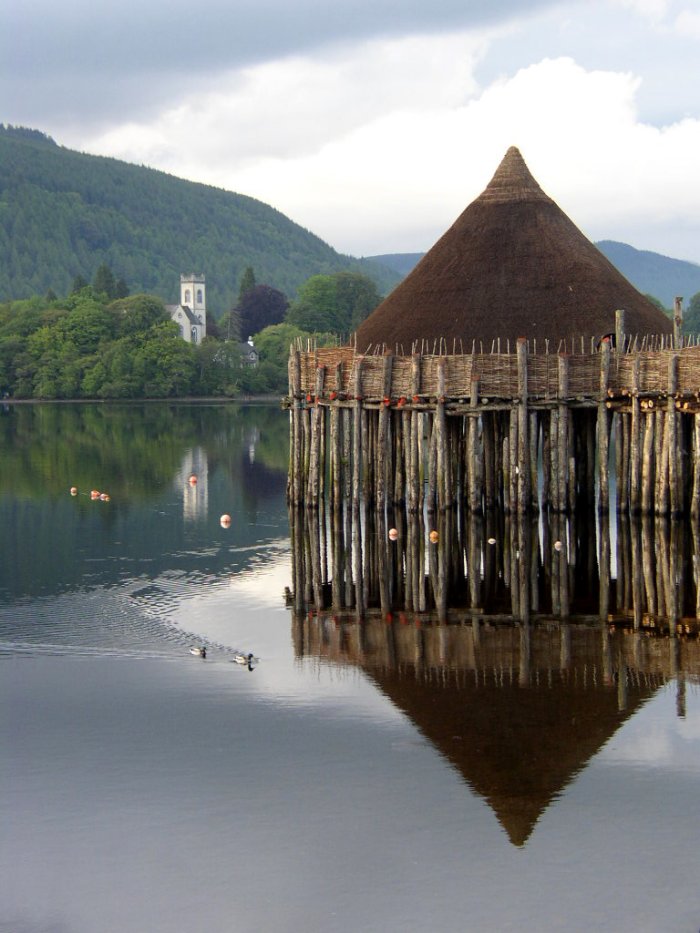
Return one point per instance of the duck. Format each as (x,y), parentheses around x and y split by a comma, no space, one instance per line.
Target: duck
(240,658)
(199,651)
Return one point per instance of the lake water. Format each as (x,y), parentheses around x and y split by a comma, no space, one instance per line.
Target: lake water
(387,773)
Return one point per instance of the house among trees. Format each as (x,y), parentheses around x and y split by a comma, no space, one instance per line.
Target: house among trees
(249,353)
(191,314)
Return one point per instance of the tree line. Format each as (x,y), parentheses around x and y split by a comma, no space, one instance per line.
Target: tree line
(100,342)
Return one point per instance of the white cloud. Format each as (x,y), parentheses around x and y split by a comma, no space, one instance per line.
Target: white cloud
(687,24)
(380,147)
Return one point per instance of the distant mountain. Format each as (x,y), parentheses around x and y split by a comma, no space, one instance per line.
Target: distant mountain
(650,273)
(63,213)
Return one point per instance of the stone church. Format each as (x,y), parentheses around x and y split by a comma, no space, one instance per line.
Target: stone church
(191,314)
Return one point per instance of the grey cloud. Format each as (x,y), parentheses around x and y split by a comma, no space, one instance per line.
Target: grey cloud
(79,62)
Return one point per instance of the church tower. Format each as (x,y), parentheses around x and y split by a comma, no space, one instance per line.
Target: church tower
(193,301)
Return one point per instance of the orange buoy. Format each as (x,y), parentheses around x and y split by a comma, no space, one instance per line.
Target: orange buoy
(434,537)
(393,534)
(74,490)
(95,494)
(225,521)
(193,479)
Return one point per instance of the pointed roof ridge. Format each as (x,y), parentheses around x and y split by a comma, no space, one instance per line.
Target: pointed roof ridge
(513,181)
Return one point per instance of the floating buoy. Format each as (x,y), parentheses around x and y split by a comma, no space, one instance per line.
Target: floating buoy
(193,479)
(74,490)
(491,541)
(434,537)
(225,521)
(393,534)
(558,545)
(95,494)
(104,497)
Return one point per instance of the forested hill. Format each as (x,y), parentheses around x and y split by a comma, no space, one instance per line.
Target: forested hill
(64,213)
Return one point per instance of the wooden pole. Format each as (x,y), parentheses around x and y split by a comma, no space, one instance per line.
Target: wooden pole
(563,432)
(635,465)
(677,323)
(357,435)
(672,441)
(603,429)
(382,436)
(523,447)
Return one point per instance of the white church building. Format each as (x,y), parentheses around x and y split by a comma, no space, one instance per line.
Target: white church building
(191,314)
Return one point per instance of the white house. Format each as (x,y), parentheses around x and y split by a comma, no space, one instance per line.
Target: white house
(191,314)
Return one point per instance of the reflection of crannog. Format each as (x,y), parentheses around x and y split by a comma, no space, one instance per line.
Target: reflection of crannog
(193,479)
(519,708)
(638,573)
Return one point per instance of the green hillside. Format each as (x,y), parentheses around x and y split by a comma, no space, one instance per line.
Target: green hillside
(63,213)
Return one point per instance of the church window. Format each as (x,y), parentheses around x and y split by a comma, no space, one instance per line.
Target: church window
(194,335)
(199,296)
(187,296)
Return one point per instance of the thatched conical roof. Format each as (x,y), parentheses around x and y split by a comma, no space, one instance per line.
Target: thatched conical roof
(512,265)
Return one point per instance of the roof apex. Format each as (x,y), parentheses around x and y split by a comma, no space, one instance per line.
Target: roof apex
(512,181)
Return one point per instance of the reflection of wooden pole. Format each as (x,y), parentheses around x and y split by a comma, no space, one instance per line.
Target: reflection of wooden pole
(604,566)
(647,530)
(637,573)
(524,667)
(337,559)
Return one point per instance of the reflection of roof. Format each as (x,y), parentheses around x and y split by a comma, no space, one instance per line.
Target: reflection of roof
(517,747)
(511,265)
(518,711)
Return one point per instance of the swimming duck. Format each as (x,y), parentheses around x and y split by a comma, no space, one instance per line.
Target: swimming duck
(199,651)
(240,658)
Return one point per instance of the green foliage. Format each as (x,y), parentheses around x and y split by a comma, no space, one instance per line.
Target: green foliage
(104,281)
(63,214)
(658,304)
(691,319)
(137,313)
(247,282)
(337,303)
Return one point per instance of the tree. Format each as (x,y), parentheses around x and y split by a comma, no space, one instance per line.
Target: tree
(260,307)
(247,282)
(657,304)
(138,313)
(104,281)
(691,319)
(79,283)
(336,303)
(121,289)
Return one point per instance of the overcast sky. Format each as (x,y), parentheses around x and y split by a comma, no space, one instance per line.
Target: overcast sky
(374,123)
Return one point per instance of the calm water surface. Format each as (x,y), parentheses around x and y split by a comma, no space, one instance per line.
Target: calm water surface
(143,789)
